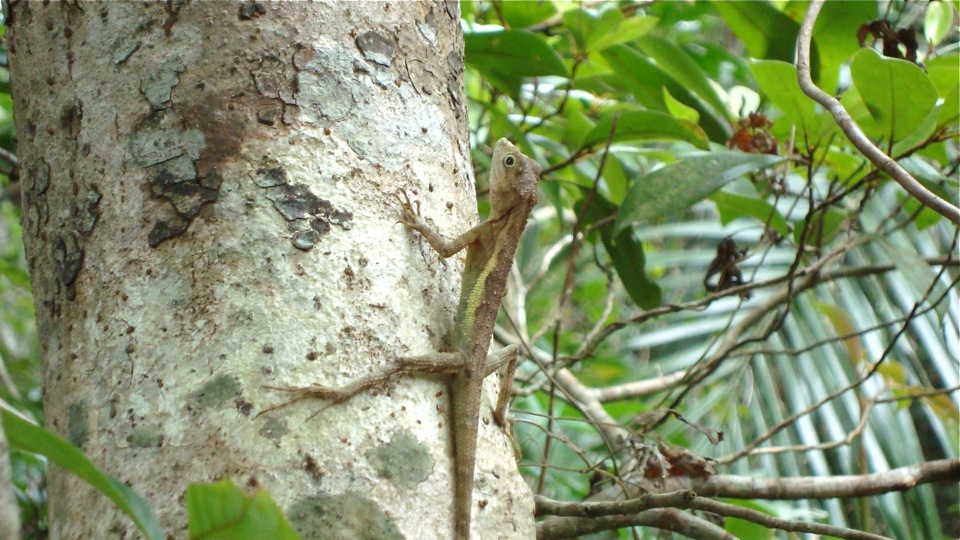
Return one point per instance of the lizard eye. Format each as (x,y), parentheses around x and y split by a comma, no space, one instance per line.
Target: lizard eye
(509,161)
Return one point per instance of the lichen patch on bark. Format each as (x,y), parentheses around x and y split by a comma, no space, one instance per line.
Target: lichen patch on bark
(404,461)
(77,429)
(347,516)
(214,393)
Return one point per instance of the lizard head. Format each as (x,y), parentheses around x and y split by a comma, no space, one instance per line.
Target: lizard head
(513,177)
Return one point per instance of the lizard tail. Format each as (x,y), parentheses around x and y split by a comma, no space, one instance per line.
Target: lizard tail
(466,417)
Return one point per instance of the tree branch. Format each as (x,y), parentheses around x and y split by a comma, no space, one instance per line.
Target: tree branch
(813,487)
(573,519)
(853,131)
(685,499)
(668,519)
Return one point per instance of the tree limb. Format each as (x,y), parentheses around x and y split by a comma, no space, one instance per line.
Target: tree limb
(573,519)
(624,510)
(668,519)
(813,487)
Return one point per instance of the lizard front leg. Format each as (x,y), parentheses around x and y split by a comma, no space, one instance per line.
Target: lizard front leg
(436,363)
(439,363)
(410,216)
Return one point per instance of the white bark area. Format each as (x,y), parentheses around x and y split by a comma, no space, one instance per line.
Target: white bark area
(207,210)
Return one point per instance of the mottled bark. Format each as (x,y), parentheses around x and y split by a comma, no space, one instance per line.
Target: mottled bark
(206,211)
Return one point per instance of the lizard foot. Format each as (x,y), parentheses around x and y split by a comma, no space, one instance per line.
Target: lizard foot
(410,210)
(331,395)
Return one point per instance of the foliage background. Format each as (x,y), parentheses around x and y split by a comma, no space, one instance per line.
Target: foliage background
(630,106)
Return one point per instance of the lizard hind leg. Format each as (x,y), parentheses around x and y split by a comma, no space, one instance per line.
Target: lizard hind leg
(507,355)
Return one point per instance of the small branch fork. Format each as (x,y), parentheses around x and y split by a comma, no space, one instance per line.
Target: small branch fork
(853,131)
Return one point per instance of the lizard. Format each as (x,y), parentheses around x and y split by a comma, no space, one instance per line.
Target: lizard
(491,247)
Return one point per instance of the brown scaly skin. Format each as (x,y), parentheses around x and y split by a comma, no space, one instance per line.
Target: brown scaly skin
(490,247)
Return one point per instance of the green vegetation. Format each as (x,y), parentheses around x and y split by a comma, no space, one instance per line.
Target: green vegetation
(828,347)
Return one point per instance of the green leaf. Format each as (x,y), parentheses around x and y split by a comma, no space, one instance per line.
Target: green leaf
(833,35)
(918,276)
(853,102)
(845,163)
(628,30)
(25,436)
(15,274)
(778,81)
(919,135)
(719,63)
(597,30)
(615,178)
(950,110)
(746,530)
(646,126)
(843,325)
(679,65)
(626,252)
(898,94)
(944,73)
(686,182)
(505,57)
(630,262)
(577,125)
(765,31)
(222,511)
(678,109)
(524,14)
(923,216)
(642,78)
(946,187)
(732,206)
(938,21)
(823,229)
(646,81)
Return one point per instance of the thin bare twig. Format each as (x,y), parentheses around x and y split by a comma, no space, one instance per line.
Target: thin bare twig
(9,156)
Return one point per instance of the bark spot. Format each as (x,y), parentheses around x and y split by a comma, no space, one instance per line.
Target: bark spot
(404,461)
(350,515)
(165,229)
(124,48)
(36,178)
(267,116)
(69,255)
(322,91)
(158,88)
(86,215)
(274,78)
(221,389)
(146,437)
(251,11)
(308,216)
(71,118)
(376,48)
(274,429)
(182,163)
(428,28)
(453,9)
(77,431)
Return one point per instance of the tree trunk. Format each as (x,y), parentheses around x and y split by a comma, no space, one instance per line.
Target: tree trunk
(207,210)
